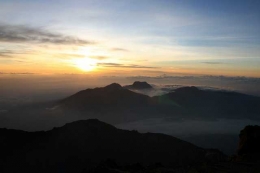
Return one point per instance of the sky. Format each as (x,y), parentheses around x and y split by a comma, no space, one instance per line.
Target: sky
(130,37)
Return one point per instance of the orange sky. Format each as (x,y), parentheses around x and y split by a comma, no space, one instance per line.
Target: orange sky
(152,38)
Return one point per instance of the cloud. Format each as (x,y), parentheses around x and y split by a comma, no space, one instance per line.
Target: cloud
(120,49)
(25,34)
(9,53)
(69,55)
(99,57)
(5,53)
(242,84)
(123,65)
(72,56)
(13,73)
(213,63)
(204,77)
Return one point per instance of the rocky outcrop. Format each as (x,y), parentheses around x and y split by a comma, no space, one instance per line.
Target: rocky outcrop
(249,144)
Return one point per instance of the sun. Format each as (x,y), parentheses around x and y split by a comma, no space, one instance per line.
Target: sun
(86,64)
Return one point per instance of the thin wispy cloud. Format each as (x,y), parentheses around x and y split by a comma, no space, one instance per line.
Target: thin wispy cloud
(99,57)
(69,55)
(213,63)
(13,73)
(25,34)
(120,49)
(73,56)
(5,53)
(123,65)
(10,53)
(204,77)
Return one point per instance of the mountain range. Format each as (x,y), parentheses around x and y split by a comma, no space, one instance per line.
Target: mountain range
(85,145)
(185,102)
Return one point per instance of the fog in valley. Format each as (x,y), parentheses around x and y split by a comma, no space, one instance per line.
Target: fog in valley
(28,102)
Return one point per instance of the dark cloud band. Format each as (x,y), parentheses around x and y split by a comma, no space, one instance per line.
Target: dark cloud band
(24,34)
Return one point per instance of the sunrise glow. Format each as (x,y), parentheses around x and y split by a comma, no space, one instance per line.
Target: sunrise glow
(129,86)
(130,38)
(85,64)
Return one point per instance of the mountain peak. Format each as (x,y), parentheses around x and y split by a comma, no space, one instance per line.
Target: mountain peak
(111,95)
(88,121)
(113,86)
(139,85)
(88,124)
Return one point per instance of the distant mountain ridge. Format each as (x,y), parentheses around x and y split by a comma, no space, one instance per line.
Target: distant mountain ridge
(115,105)
(223,103)
(83,144)
(183,101)
(110,95)
(137,85)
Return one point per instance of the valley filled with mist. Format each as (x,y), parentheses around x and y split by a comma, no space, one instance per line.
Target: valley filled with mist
(174,108)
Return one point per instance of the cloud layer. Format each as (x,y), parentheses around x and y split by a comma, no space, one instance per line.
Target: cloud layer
(123,65)
(9,53)
(25,34)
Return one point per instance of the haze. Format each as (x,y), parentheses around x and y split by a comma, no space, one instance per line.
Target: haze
(50,50)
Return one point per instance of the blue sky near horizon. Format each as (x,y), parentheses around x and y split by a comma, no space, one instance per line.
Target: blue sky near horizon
(132,35)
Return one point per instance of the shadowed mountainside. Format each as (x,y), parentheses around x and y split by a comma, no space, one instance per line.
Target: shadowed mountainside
(218,104)
(111,95)
(93,146)
(83,144)
(187,102)
(126,109)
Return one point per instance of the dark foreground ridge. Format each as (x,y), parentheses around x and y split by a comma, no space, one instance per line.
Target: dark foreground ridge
(96,147)
(83,144)
(249,144)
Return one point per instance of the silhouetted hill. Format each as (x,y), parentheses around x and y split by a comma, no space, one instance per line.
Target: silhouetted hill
(185,102)
(111,95)
(218,104)
(137,85)
(83,144)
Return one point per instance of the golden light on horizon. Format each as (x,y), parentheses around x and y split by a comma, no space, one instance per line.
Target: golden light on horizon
(85,64)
